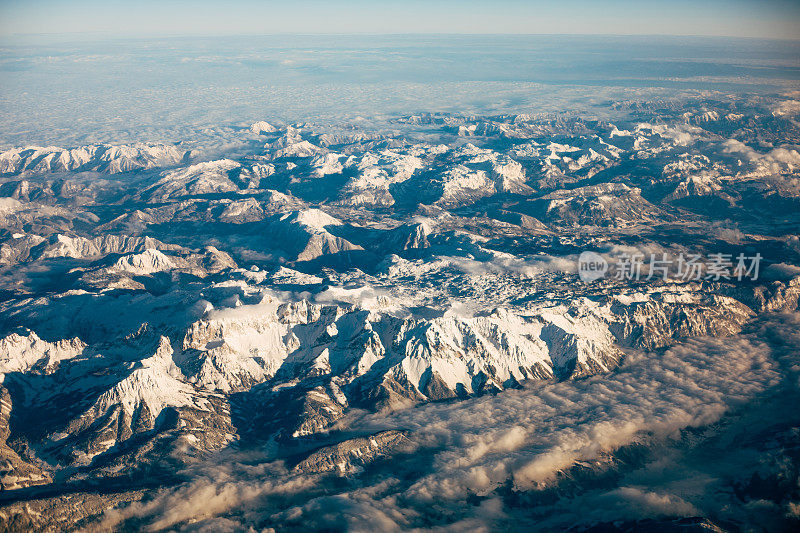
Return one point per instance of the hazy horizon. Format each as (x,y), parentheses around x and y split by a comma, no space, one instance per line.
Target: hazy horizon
(761,19)
(168,88)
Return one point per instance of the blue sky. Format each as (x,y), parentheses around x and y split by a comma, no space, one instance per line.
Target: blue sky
(742,18)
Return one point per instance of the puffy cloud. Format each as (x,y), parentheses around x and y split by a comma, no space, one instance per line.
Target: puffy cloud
(528,267)
(365,296)
(787,108)
(776,159)
(530,437)
(733,146)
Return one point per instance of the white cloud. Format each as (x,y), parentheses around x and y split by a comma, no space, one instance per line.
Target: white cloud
(475,447)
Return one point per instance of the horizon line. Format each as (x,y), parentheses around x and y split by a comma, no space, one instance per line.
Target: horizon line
(142,35)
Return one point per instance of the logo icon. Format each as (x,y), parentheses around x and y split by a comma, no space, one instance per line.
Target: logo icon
(591,266)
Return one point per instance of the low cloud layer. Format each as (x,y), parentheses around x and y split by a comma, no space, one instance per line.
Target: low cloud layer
(476,460)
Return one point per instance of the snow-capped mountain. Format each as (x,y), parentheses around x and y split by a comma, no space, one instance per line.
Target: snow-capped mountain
(103,158)
(319,294)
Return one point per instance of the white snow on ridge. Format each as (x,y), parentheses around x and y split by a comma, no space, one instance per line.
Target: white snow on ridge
(104,158)
(147,262)
(262,127)
(20,352)
(314,219)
